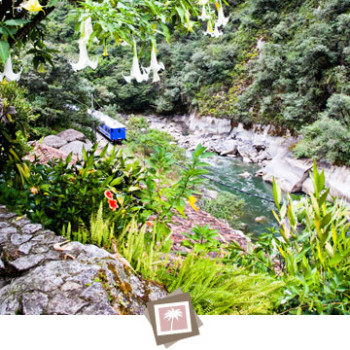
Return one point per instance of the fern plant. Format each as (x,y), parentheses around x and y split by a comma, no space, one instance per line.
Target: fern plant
(218,289)
(101,230)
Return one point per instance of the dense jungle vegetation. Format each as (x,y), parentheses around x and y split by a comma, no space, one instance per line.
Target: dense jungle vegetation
(278,62)
(281,63)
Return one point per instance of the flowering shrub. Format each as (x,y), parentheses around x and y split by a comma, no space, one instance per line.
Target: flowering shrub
(63,193)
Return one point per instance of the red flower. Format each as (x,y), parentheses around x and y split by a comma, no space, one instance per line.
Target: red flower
(149,223)
(112,204)
(109,194)
(34,190)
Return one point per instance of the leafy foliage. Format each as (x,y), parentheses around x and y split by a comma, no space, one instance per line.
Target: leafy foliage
(218,289)
(15,115)
(310,254)
(326,138)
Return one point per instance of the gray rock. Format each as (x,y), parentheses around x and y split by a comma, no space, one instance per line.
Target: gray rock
(34,303)
(247,152)
(98,309)
(18,239)
(69,286)
(5,232)
(20,222)
(8,230)
(246,175)
(4,224)
(40,249)
(2,266)
(260,219)
(209,194)
(27,262)
(54,141)
(288,172)
(75,147)
(229,147)
(6,215)
(65,303)
(31,228)
(25,247)
(9,305)
(71,135)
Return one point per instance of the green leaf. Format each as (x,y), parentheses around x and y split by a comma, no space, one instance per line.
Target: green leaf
(277,194)
(4,51)
(117,181)
(16,22)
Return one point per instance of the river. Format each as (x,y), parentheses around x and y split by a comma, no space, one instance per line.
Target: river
(258,197)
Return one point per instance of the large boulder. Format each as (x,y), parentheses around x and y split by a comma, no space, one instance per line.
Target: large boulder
(228,147)
(54,141)
(42,274)
(76,147)
(72,135)
(289,173)
(205,125)
(247,152)
(45,153)
(337,179)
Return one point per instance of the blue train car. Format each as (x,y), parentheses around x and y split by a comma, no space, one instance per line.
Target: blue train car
(110,128)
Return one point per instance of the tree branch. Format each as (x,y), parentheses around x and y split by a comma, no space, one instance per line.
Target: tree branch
(27,28)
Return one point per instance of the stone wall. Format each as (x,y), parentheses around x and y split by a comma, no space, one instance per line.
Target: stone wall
(40,273)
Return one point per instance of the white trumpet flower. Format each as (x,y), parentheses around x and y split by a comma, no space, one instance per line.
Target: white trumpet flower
(84,60)
(216,33)
(8,72)
(155,66)
(222,20)
(203,16)
(135,72)
(210,30)
(86,29)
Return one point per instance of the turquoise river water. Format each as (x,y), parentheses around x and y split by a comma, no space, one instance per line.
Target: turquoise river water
(227,171)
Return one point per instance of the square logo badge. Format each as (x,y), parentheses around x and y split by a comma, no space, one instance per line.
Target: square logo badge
(173,318)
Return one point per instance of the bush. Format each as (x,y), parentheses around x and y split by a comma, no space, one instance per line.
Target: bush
(15,115)
(65,194)
(142,139)
(326,138)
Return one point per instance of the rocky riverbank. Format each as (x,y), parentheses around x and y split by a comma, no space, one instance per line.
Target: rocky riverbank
(256,145)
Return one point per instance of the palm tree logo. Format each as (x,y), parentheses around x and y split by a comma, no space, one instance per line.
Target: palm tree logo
(173,314)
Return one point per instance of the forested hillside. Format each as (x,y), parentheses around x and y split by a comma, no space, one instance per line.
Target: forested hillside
(278,62)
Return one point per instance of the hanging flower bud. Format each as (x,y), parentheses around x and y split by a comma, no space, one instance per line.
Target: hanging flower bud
(105,52)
